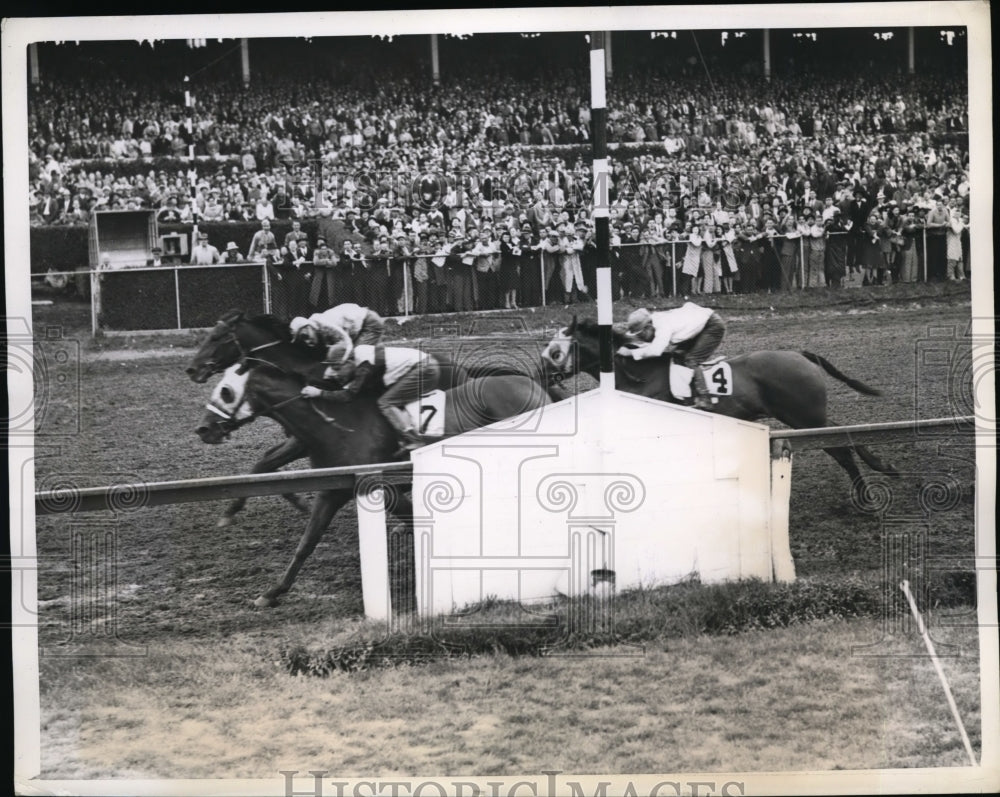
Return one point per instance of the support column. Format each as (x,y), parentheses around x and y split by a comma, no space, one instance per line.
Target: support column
(608,68)
(245,59)
(33,63)
(911,64)
(767,54)
(601,201)
(782,564)
(435,60)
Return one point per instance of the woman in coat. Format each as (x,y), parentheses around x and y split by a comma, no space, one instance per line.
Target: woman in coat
(692,262)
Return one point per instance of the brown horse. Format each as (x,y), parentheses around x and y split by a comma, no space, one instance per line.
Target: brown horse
(785,385)
(335,434)
(263,332)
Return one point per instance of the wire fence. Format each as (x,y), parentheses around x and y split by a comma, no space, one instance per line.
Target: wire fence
(192,296)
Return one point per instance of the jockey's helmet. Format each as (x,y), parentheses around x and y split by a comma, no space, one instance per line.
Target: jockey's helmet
(297,324)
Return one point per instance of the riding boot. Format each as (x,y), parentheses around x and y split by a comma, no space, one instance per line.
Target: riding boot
(400,421)
(702,398)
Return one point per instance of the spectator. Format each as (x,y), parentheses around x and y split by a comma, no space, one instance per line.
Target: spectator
(204,254)
(262,241)
(232,254)
(323,292)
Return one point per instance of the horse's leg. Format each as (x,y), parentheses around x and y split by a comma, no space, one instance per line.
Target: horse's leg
(274,458)
(844,458)
(875,463)
(324,508)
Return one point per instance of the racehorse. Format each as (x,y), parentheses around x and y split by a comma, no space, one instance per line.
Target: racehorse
(248,337)
(335,434)
(785,385)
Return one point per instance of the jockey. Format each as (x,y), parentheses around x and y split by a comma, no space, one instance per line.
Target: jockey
(349,324)
(692,331)
(407,374)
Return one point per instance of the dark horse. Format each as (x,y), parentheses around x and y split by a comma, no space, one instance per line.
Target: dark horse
(334,434)
(264,332)
(785,385)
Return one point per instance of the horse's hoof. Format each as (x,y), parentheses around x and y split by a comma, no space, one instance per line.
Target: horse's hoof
(264,602)
(224,521)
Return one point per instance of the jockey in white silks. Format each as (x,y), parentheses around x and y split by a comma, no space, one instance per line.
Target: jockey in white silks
(406,373)
(691,330)
(347,324)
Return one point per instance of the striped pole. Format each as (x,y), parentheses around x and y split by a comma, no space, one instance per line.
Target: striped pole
(601,199)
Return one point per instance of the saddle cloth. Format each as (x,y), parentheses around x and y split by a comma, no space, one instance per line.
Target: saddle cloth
(427,414)
(718,378)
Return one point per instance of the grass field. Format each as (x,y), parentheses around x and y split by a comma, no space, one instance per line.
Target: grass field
(208,699)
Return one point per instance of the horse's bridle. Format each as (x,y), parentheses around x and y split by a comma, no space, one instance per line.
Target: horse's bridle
(246,355)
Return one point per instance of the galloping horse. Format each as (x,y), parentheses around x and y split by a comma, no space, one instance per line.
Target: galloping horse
(263,333)
(785,385)
(335,434)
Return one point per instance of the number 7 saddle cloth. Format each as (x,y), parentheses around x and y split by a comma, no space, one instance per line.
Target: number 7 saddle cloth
(427,414)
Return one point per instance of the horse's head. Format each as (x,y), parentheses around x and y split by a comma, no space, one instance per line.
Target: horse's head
(227,409)
(233,339)
(573,349)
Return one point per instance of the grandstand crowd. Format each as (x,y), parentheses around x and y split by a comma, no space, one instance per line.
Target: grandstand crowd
(734,184)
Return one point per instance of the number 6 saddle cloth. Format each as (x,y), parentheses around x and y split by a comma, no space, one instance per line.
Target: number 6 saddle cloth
(718,378)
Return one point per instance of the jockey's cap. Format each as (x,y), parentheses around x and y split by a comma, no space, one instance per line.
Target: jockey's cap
(637,320)
(337,353)
(297,324)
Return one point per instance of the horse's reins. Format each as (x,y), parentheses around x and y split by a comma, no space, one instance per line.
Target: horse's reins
(245,358)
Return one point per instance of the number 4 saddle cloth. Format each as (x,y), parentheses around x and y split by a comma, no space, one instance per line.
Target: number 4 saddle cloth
(427,414)
(718,378)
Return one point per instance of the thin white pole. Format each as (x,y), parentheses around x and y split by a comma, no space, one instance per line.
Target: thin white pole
(435,60)
(177,296)
(374,551)
(924,266)
(245,60)
(767,55)
(905,586)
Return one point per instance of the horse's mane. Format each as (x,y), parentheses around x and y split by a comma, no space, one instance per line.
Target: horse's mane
(276,326)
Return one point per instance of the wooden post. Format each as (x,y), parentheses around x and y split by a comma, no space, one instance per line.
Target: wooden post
(374,548)
(781,492)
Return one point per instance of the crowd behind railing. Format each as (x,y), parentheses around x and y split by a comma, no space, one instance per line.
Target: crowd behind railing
(413,268)
(476,194)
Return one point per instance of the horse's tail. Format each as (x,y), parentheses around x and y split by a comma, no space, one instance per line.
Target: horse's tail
(827,366)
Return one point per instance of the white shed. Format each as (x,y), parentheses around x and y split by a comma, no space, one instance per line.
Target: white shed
(600,487)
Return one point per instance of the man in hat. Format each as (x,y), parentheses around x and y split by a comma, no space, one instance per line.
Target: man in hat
(169,213)
(296,234)
(232,254)
(262,241)
(406,373)
(214,210)
(204,254)
(692,331)
(157,257)
(324,260)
